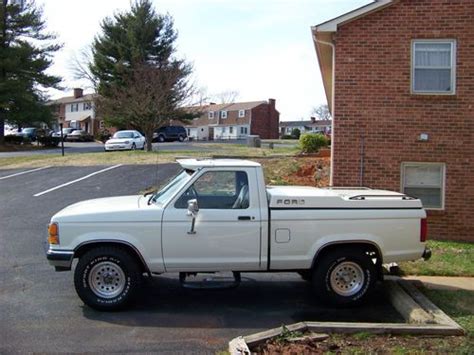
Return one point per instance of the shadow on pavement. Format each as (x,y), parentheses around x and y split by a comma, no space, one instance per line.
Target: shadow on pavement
(162,302)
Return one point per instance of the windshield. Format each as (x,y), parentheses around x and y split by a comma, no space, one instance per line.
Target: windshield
(162,196)
(123,135)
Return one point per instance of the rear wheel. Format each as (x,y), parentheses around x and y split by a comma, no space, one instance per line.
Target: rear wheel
(161,138)
(107,278)
(344,277)
(181,138)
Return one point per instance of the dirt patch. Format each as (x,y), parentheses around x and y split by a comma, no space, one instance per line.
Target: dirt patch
(312,172)
(366,343)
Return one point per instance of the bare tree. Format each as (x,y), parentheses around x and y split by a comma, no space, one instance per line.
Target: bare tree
(226,97)
(80,67)
(321,112)
(149,97)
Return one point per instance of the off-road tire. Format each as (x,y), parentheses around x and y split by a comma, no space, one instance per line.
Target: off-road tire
(115,256)
(326,283)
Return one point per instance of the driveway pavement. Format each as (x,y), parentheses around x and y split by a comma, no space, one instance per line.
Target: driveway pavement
(40,312)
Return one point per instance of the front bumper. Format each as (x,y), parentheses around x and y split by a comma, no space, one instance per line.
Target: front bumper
(118,147)
(60,259)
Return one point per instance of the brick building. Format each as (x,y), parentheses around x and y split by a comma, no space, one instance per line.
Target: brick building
(235,120)
(399,78)
(77,111)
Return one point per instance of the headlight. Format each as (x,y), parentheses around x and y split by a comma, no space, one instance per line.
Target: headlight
(107,142)
(127,142)
(53,233)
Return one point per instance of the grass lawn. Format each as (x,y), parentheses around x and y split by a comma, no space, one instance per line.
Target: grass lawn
(140,157)
(448,259)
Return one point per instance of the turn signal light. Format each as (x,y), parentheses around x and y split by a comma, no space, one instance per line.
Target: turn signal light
(423,230)
(53,233)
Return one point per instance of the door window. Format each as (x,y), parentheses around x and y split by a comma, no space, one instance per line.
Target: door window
(218,190)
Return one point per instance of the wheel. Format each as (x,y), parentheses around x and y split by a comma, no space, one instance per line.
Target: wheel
(344,277)
(107,278)
(181,138)
(161,139)
(133,146)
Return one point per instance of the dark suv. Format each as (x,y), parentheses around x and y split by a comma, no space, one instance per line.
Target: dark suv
(170,133)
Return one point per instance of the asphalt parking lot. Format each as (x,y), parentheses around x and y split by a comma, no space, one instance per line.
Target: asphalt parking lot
(40,312)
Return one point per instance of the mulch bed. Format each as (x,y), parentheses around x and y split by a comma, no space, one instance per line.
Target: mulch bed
(367,344)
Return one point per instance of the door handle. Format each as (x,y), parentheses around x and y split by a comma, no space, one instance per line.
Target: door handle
(244,218)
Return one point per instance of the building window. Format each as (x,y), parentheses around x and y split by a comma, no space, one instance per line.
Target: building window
(87,106)
(211,115)
(434,67)
(241,113)
(74,107)
(231,130)
(426,182)
(243,130)
(223,114)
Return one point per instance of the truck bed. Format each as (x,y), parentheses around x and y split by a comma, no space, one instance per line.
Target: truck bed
(305,197)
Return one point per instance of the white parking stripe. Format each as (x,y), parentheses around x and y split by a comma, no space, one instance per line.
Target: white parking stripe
(77,180)
(24,172)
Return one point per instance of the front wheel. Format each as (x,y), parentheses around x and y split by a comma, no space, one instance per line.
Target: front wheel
(344,277)
(161,139)
(107,278)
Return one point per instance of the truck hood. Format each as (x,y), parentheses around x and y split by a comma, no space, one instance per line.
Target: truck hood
(110,209)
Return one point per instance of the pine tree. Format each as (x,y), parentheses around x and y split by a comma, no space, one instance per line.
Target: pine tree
(133,43)
(25,54)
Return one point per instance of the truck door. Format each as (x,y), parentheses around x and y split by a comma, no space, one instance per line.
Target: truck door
(227,227)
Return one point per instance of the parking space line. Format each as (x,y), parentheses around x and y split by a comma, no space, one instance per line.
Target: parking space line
(76,180)
(24,172)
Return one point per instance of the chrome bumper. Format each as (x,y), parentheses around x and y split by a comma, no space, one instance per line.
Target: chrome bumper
(60,259)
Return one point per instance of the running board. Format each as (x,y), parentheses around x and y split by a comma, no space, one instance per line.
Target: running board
(207,281)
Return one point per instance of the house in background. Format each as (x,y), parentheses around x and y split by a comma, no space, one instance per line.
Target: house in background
(311,126)
(77,111)
(399,79)
(234,121)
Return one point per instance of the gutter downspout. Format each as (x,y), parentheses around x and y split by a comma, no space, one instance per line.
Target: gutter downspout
(333,47)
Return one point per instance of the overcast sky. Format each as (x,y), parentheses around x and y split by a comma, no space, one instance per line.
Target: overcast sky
(260,48)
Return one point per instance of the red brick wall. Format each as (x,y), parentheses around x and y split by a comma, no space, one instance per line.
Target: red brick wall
(265,121)
(373,100)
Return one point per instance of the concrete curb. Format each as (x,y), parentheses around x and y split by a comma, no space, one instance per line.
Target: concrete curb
(423,318)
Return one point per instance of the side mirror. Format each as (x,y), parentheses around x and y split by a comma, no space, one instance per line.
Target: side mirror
(193,209)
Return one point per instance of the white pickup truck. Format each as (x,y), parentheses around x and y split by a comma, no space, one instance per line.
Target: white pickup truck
(218,216)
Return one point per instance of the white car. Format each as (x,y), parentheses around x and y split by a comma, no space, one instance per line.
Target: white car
(218,215)
(125,140)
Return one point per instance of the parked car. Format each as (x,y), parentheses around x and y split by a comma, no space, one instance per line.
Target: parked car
(30,133)
(125,140)
(66,132)
(170,133)
(218,215)
(79,135)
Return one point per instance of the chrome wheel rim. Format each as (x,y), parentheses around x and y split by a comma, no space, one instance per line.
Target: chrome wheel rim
(347,278)
(107,279)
